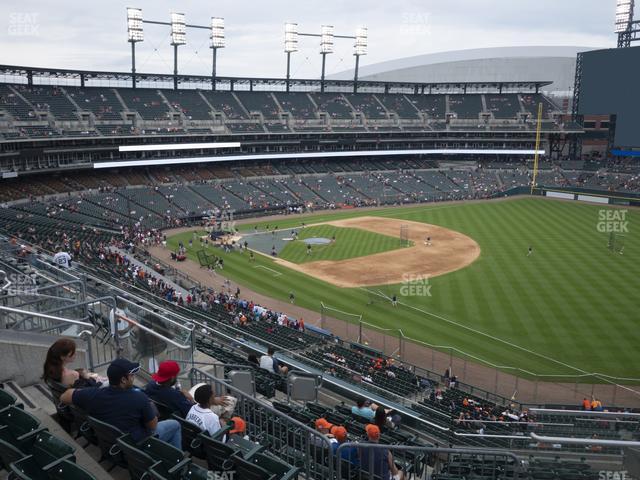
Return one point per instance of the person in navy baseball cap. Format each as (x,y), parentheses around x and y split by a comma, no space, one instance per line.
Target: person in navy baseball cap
(120,368)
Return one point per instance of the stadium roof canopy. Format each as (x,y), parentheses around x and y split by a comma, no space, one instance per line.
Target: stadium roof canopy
(556,63)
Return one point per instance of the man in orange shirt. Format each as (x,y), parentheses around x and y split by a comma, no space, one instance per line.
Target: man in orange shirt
(586,404)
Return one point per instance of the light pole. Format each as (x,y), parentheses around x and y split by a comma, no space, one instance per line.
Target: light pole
(217,41)
(326,47)
(178,37)
(360,48)
(136,34)
(290,46)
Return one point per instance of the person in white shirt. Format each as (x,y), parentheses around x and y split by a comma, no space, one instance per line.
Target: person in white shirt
(62,259)
(201,413)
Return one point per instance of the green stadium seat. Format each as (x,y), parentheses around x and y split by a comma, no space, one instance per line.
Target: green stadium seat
(9,454)
(107,437)
(262,466)
(6,399)
(21,427)
(190,437)
(67,470)
(138,462)
(161,451)
(219,456)
(189,472)
(47,448)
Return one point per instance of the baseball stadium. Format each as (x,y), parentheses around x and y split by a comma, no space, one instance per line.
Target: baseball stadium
(423,268)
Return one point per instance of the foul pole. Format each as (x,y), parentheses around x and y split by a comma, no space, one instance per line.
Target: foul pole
(535,158)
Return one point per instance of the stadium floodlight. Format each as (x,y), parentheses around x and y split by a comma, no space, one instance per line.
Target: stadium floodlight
(136,34)
(217,41)
(178,37)
(326,39)
(290,37)
(326,47)
(290,45)
(624,11)
(360,48)
(134,24)
(361,41)
(178,29)
(217,32)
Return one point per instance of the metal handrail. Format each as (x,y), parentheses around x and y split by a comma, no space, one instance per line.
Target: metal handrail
(46,317)
(585,441)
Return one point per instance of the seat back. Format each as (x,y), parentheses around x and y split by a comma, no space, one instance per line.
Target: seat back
(6,399)
(163,452)
(191,471)
(107,436)
(219,455)
(9,454)
(48,448)
(27,469)
(249,470)
(138,461)
(20,425)
(190,436)
(67,470)
(164,412)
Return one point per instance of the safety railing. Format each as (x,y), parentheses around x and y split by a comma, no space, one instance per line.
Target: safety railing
(292,441)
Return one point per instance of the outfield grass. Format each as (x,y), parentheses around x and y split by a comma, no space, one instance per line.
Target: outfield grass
(571,305)
(349,243)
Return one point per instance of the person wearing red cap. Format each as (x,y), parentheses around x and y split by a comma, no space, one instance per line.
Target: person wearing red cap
(162,389)
(378,462)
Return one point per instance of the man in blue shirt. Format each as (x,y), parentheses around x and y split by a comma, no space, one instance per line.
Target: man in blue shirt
(124,406)
(162,389)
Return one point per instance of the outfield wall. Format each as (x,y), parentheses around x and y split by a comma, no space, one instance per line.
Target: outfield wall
(580,194)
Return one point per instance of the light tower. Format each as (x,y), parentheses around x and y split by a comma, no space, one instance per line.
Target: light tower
(178,37)
(290,46)
(326,47)
(217,41)
(136,34)
(360,48)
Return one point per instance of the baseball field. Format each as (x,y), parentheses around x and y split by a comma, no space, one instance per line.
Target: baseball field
(571,306)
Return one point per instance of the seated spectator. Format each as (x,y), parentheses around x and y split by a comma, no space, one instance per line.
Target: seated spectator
(378,462)
(124,406)
(364,408)
(162,388)
(201,414)
(61,354)
(350,453)
(268,362)
(324,427)
(253,360)
(222,406)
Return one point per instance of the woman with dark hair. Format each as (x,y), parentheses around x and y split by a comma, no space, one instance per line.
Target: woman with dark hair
(61,354)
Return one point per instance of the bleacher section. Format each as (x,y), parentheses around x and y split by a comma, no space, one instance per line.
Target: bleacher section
(179,112)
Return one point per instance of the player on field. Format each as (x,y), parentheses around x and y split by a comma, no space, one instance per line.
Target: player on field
(530,251)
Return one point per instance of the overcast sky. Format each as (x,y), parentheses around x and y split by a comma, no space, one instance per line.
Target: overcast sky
(91,34)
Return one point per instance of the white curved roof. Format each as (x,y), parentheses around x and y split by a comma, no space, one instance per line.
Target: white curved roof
(517,64)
